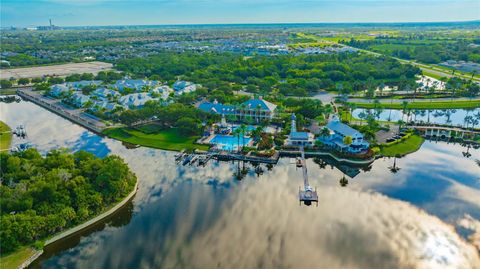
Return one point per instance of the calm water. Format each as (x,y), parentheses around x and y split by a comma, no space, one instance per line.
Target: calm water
(190,217)
(440,116)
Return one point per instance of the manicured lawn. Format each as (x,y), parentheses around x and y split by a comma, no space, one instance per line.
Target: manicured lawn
(167,139)
(426,105)
(13,260)
(5,136)
(409,145)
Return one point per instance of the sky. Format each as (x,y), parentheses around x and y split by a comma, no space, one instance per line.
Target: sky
(22,13)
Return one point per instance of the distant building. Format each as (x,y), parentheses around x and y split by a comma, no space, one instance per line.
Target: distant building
(104,105)
(78,85)
(104,93)
(338,132)
(163,91)
(137,84)
(59,90)
(80,100)
(255,109)
(136,100)
(297,138)
(180,87)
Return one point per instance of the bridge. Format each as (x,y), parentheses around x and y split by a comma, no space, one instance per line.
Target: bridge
(445,131)
(307,195)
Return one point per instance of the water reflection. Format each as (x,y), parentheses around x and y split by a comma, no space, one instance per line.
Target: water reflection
(454,117)
(205,217)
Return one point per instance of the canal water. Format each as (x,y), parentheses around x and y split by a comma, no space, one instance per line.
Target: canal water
(454,117)
(235,215)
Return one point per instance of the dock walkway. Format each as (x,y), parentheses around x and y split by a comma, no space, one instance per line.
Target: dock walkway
(77,116)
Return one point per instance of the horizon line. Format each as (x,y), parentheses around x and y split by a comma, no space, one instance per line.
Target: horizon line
(251,23)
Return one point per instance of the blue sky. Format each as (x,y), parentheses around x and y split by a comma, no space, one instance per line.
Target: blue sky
(134,12)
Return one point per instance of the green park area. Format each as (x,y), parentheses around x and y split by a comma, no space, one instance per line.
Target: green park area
(407,145)
(424,105)
(5,136)
(169,139)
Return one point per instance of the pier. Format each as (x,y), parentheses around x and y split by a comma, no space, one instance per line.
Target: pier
(307,195)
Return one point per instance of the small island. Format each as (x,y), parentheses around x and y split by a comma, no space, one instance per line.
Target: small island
(44,197)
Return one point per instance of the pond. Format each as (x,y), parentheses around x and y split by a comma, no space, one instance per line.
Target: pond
(455,117)
(241,215)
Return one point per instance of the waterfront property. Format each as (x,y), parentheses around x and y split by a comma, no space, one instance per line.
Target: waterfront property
(297,138)
(338,132)
(255,109)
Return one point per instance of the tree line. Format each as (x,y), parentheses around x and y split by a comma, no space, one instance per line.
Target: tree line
(42,196)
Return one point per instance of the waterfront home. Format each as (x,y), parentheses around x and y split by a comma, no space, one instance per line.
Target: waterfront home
(135,100)
(180,87)
(78,85)
(104,106)
(59,90)
(338,132)
(297,138)
(104,93)
(255,109)
(161,91)
(79,100)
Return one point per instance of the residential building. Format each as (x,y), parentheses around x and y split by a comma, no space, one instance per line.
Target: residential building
(180,87)
(297,138)
(163,91)
(104,93)
(78,85)
(80,100)
(135,100)
(137,84)
(338,132)
(59,90)
(255,109)
(104,105)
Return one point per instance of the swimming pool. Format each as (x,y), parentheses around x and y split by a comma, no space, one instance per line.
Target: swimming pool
(228,142)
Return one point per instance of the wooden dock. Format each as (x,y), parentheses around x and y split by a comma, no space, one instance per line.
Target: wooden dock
(308,195)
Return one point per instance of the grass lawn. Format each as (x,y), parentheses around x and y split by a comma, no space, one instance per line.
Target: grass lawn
(13,260)
(409,145)
(426,105)
(10,91)
(166,139)
(5,136)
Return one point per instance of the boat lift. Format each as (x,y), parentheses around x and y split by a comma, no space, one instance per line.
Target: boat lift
(308,194)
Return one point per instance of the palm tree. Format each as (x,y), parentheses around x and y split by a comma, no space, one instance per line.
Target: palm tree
(325,132)
(236,133)
(343,181)
(400,123)
(362,115)
(243,131)
(404,108)
(394,168)
(352,106)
